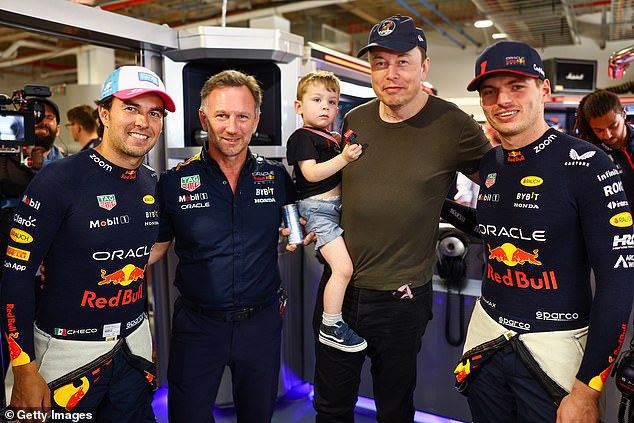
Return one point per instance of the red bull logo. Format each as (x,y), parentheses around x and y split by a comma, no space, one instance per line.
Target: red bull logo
(68,396)
(510,255)
(123,297)
(17,354)
(129,174)
(598,381)
(462,370)
(124,276)
(547,279)
(515,156)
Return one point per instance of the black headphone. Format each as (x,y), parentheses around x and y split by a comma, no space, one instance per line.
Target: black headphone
(451,255)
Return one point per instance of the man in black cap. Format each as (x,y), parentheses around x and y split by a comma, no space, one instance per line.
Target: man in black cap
(540,345)
(413,144)
(46,131)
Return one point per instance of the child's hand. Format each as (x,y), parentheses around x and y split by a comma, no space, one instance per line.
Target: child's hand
(351,152)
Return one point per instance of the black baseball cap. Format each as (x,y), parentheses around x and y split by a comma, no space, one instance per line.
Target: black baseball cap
(44,100)
(398,33)
(504,57)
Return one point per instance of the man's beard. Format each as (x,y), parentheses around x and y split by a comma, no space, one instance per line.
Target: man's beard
(45,141)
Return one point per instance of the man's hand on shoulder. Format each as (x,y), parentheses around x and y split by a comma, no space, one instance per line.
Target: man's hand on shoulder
(30,391)
(581,405)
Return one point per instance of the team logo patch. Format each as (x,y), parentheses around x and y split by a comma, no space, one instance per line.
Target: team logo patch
(515,156)
(514,61)
(621,220)
(108,201)
(18,253)
(20,236)
(129,174)
(531,181)
(263,177)
(190,183)
(144,76)
(490,181)
(386,28)
(579,159)
(31,202)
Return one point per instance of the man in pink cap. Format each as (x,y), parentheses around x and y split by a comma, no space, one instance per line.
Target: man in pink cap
(85,350)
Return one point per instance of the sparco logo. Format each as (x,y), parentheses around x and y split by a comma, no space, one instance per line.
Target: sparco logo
(514,323)
(556,317)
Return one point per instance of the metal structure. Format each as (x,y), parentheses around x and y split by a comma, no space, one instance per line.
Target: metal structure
(339,24)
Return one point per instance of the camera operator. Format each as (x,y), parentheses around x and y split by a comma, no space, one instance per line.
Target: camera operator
(46,132)
(15,175)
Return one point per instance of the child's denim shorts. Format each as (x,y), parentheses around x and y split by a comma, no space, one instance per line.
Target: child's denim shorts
(322,217)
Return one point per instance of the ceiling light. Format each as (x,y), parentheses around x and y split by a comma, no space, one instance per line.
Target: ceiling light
(484,23)
(498,35)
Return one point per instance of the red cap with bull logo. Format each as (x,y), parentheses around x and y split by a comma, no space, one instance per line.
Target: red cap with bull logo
(128,82)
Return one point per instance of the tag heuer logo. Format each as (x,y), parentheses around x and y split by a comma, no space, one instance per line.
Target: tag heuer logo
(190,183)
(107,202)
(490,180)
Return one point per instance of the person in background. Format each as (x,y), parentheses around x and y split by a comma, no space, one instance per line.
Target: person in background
(92,218)
(601,121)
(413,144)
(82,126)
(46,132)
(540,344)
(223,208)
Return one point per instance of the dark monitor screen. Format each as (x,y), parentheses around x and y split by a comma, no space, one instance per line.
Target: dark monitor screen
(267,74)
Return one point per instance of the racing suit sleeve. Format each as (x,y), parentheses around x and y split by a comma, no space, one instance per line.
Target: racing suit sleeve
(461,217)
(606,223)
(37,219)
(166,229)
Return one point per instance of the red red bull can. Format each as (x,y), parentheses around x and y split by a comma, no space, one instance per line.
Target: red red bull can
(291,220)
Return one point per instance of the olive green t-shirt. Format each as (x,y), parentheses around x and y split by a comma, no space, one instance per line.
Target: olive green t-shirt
(392,195)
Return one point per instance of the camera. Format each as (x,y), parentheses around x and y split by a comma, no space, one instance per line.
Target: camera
(18,116)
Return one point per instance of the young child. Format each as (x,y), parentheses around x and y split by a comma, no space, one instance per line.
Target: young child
(318,158)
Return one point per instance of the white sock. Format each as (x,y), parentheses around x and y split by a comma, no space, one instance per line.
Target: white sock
(330,319)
